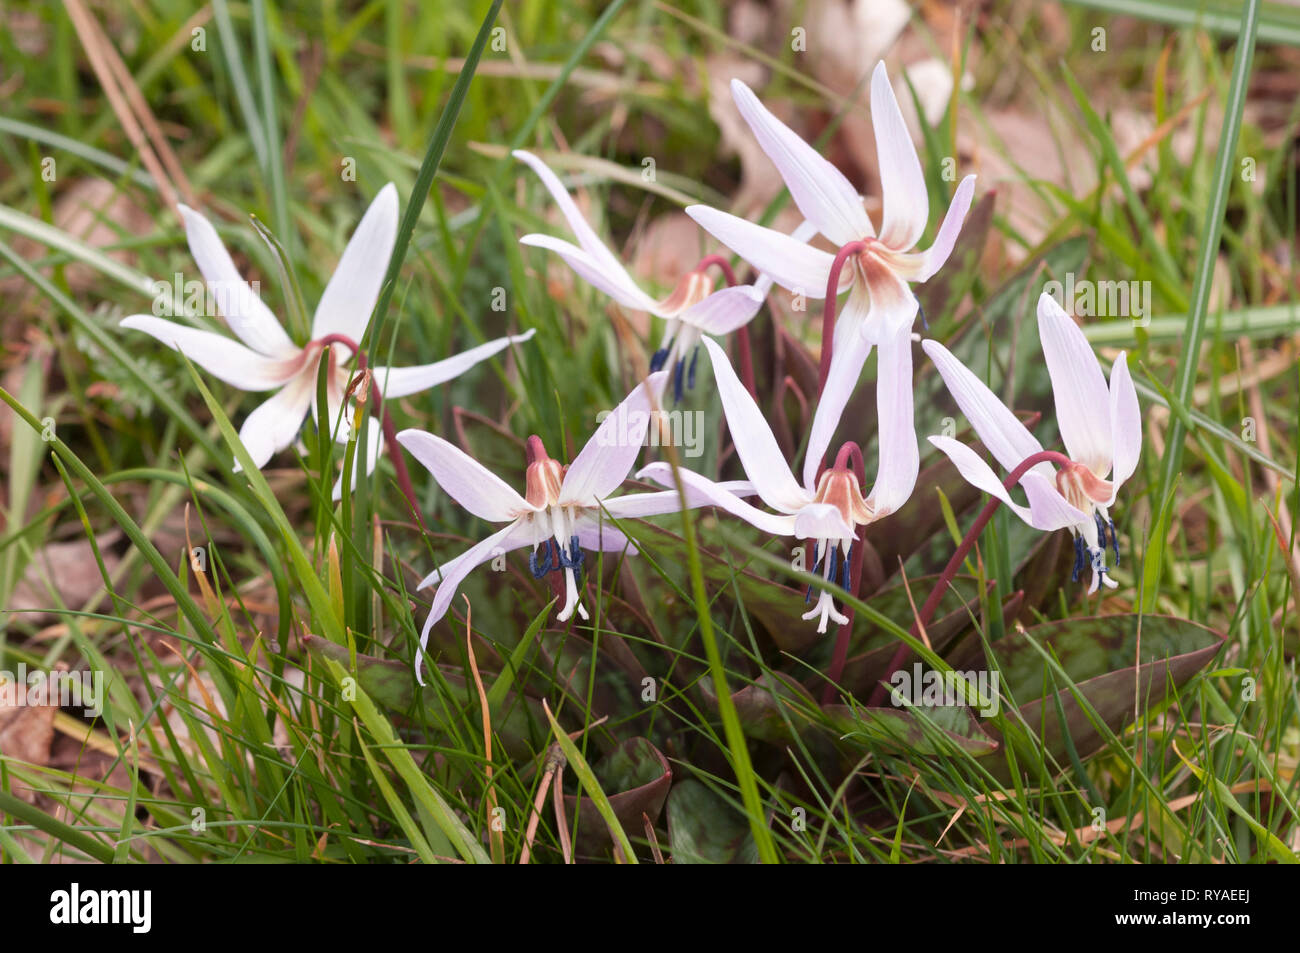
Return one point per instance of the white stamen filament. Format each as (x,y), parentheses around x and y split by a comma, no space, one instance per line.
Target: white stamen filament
(670,332)
(825,607)
(560,528)
(1096,552)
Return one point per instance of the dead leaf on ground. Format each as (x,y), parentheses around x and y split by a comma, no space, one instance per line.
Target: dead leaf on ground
(71,569)
(26,732)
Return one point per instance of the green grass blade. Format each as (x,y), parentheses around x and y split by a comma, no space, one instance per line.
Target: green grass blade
(429,166)
(1190,359)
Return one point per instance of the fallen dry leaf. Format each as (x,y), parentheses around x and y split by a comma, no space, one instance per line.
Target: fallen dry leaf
(70,568)
(26,732)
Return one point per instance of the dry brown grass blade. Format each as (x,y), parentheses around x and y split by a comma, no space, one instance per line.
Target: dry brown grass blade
(554,760)
(496,838)
(1282,523)
(109,69)
(210,599)
(916,617)
(650,836)
(1282,534)
(1088,834)
(553,772)
(1165,129)
(561,823)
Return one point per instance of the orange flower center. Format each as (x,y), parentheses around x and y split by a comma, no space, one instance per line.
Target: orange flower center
(691,290)
(838,487)
(1081,487)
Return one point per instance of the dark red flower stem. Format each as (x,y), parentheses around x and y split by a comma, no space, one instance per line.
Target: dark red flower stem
(828,310)
(926,615)
(386,422)
(828,326)
(849,452)
(744,350)
(722,265)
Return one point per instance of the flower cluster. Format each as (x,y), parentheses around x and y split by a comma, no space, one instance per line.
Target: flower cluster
(565,512)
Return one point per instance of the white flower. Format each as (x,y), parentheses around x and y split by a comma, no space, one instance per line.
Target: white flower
(564,510)
(692,309)
(827,509)
(880,303)
(1100,426)
(268,360)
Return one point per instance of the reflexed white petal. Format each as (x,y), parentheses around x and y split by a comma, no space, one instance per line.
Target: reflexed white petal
(823,194)
(453,573)
(852,315)
(596,536)
(701,491)
(792,264)
(353,289)
(1047,507)
(821,521)
(935,256)
(273,425)
(1125,421)
(893,306)
(755,445)
(586,235)
(724,310)
(400,381)
(900,460)
(846,367)
(603,464)
(464,479)
(885,313)
(741,488)
(902,183)
(802,233)
(638,505)
(978,473)
(248,316)
(522,531)
(1078,387)
(614,283)
(221,357)
(997,427)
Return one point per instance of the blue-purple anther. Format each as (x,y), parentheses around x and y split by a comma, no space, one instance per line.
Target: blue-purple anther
(1085,556)
(557,558)
(835,575)
(1101,534)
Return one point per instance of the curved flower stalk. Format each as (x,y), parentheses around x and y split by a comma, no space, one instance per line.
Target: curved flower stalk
(693,309)
(563,511)
(268,360)
(1100,426)
(827,508)
(880,302)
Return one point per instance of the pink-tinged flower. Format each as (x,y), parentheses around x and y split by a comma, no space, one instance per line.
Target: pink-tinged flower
(693,308)
(1100,426)
(880,302)
(828,508)
(268,360)
(563,511)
